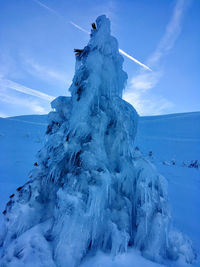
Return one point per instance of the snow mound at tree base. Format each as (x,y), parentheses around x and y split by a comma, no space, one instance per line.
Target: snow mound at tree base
(79,233)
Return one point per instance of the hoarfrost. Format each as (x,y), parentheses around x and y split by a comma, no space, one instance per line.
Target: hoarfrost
(91,190)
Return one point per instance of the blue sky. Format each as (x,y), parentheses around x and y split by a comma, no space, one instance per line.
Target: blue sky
(37,39)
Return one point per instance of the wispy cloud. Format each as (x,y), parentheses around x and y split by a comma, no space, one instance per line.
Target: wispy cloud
(8,84)
(145,80)
(32,105)
(138,91)
(148,104)
(45,72)
(172,32)
(3,115)
(30,99)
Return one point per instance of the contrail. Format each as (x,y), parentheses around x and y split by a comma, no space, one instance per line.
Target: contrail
(85,31)
(120,50)
(78,27)
(23,89)
(134,59)
(45,6)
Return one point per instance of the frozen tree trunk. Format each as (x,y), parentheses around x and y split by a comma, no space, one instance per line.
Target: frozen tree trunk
(91,190)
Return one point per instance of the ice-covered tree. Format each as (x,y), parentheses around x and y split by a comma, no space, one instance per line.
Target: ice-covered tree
(91,189)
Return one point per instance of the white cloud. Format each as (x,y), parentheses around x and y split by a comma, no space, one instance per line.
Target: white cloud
(138,92)
(3,115)
(45,72)
(147,105)
(172,32)
(145,80)
(8,95)
(32,105)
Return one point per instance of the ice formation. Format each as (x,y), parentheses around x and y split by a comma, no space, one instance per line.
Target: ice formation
(91,190)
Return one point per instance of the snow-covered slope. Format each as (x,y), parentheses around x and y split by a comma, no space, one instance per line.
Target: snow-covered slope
(175,139)
(170,137)
(177,134)
(20,138)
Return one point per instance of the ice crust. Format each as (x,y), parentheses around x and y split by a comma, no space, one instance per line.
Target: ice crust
(91,189)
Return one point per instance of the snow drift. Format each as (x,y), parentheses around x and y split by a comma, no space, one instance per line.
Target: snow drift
(90,190)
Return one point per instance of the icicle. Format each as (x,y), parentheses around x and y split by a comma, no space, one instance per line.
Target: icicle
(93,194)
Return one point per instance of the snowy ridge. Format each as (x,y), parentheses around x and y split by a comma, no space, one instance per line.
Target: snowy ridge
(90,189)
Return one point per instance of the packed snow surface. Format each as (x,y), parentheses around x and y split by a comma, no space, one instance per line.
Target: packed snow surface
(90,192)
(21,137)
